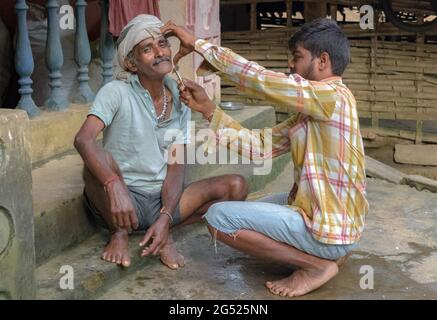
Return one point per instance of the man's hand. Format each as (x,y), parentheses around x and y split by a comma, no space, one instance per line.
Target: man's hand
(186,38)
(195,97)
(121,207)
(159,232)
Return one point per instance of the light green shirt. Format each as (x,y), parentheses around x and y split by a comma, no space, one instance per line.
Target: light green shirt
(132,134)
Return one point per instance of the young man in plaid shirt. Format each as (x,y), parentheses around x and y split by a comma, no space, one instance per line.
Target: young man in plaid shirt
(318,223)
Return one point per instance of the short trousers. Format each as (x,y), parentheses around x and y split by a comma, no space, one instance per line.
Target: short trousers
(147,208)
(271,217)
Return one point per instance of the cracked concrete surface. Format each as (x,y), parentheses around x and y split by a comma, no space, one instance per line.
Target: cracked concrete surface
(399,244)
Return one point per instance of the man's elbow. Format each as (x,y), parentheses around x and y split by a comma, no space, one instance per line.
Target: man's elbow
(79,141)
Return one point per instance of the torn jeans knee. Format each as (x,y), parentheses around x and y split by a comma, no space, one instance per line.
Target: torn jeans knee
(234,235)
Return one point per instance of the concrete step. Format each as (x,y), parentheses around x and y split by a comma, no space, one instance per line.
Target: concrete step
(60,219)
(91,275)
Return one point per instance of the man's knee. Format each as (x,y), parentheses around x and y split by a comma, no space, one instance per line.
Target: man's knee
(237,187)
(215,214)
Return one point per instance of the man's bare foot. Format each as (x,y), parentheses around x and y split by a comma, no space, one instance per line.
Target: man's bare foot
(303,281)
(171,257)
(117,250)
(340,262)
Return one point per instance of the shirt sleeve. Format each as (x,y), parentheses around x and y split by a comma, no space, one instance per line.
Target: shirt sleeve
(314,98)
(106,103)
(257,144)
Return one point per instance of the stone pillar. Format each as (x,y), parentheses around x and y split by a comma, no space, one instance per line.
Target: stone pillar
(203,19)
(24,61)
(107,47)
(17,250)
(54,59)
(82,55)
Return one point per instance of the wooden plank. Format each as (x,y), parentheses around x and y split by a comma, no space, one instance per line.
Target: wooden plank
(377,169)
(416,154)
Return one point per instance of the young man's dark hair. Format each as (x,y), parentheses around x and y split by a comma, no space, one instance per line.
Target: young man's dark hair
(324,35)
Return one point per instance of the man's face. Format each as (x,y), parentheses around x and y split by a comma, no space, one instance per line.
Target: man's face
(303,63)
(153,57)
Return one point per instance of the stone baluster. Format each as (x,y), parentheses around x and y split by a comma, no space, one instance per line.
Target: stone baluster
(107,49)
(82,55)
(24,61)
(54,59)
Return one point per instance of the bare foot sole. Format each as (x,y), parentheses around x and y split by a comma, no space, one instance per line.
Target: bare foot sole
(171,257)
(303,281)
(117,250)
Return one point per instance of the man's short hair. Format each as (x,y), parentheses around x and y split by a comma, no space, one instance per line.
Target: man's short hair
(324,35)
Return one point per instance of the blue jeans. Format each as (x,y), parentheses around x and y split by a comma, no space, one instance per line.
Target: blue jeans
(271,217)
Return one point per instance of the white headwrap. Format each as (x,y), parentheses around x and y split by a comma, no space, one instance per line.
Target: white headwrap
(139,28)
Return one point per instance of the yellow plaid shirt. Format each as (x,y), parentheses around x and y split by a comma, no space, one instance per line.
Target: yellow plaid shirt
(324,139)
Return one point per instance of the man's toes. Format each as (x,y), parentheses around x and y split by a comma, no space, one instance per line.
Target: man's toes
(117,259)
(275,287)
(286,292)
(107,257)
(181,262)
(275,290)
(126,262)
(281,292)
(173,266)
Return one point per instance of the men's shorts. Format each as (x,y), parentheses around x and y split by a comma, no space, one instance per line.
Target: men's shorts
(147,208)
(271,217)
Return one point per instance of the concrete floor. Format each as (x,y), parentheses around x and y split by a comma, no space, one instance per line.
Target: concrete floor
(399,245)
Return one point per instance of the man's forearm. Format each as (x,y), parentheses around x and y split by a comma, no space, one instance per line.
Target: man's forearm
(95,159)
(172,187)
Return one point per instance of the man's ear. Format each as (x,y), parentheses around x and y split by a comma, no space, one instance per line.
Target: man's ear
(324,61)
(129,63)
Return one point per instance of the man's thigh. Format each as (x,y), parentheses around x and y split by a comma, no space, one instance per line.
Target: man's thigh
(199,195)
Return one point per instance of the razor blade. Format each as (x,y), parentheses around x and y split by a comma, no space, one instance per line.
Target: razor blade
(181,81)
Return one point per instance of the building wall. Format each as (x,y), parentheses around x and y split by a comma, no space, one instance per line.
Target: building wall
(203,19)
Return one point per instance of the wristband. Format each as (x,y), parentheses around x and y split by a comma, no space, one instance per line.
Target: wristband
(164,211)
(111,179)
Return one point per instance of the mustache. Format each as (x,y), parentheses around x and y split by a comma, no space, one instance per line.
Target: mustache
(159,60)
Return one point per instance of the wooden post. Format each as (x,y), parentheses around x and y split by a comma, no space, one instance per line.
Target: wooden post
(82,55)
(54,58)
(373,61)
(24,61)
(314,10)
(253,16)
(289,8)
(420,40)
(107,49)
(333,11)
